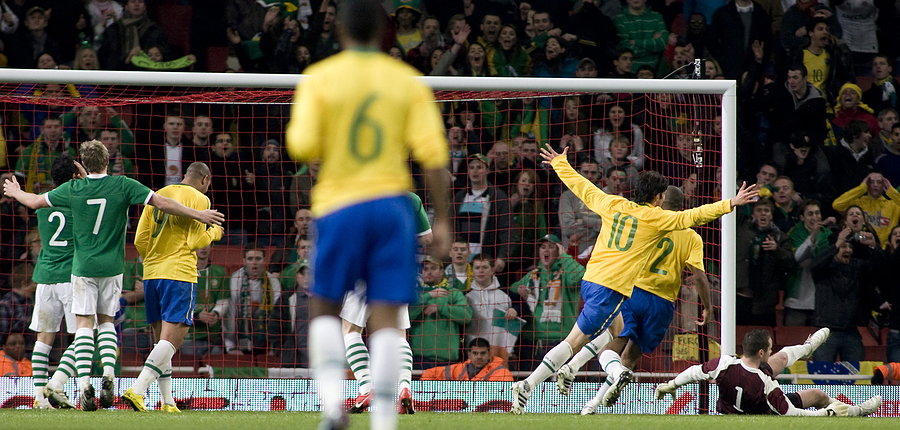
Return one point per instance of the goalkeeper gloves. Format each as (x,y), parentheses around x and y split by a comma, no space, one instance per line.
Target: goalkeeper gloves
(665,388)
(837,409)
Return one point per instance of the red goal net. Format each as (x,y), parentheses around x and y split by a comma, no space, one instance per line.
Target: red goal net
(506,205)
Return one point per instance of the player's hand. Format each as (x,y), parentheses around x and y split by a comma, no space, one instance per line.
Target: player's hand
(548,153)
(211,217)
(11,186)
(745,195)
(837,409)
(665,388)
(82,173)
(704,316)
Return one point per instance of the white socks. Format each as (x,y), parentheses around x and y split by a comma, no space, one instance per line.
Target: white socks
(40,363)
(385,367)
(589,351)
(795,352)
(106,347)
(358,358)
(598,398)
(160,358)
(406,363)
(84,356)
(65,370)
(611,364)
(165,384)
(552,361)
(327,360)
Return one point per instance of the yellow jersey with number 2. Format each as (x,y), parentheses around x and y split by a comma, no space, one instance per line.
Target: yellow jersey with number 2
(362,113)
(667,260)
(629,229)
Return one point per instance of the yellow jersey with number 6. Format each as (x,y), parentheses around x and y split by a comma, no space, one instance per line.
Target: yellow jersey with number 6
(169,243)
(667,260)
(362,113)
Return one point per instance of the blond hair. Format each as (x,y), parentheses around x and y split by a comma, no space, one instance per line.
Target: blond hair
(94,156)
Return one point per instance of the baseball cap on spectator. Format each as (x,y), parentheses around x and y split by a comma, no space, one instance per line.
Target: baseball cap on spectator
(587,61)
(432,260)
(414,5)
(552,238)
(480,157)
(36,9)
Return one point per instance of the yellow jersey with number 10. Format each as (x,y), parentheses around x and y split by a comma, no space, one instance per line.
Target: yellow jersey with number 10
(362,113)
(667,260)
(629,229)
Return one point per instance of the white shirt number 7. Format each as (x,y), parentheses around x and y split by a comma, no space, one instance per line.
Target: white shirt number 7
(102,203)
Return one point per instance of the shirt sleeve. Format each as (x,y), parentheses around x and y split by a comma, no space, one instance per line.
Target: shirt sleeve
(59,196)
(590,194)
(201,235)
(304,131)
(136,192)
(424,129)
(422,225)
(670,220)
(142,234)
(695,258)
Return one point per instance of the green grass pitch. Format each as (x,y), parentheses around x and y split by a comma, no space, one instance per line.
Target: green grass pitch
(228,420)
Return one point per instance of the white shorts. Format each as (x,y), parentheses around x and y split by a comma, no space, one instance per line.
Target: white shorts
(52,303)
(92,296)
(355,311)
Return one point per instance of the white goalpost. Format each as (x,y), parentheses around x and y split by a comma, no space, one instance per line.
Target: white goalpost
(727,89)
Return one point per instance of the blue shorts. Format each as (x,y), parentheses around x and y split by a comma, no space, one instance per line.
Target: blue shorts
(646,317)
(601,305)
(373,241)
(170,301)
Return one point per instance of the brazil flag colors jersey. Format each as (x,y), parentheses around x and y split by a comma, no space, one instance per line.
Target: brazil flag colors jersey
(168,242)
(99,205)
(667,260)
(363,126)
(54,264)
(423,227)
(628,230)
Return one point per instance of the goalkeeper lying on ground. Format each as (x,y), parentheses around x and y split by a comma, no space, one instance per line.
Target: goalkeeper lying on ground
(747,385)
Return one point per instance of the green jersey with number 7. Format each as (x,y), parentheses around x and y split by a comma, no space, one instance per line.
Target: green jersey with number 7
(99,205)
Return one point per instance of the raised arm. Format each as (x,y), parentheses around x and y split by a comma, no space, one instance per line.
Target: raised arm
(680,220)
(590,194)
(12,189)
(171,207)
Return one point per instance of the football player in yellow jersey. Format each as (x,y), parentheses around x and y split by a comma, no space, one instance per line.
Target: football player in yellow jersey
(622,250)
(649,311)
(361,114)
(168,245)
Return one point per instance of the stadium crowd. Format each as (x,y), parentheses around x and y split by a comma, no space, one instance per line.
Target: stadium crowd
(818,130)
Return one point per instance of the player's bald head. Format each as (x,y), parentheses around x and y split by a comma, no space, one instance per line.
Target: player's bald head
(361,20)
(674,199)
(197,170)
